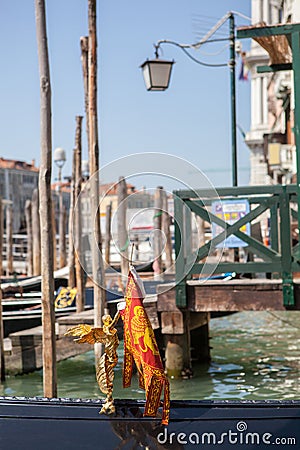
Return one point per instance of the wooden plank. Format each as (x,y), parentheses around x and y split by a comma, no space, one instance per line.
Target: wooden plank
(153,317)
(208,299)
(172,322)
(166,301)
(66,322)
(149,300)
(235,295)
(257,284)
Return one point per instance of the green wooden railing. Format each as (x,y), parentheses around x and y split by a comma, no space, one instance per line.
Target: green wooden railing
(279,257)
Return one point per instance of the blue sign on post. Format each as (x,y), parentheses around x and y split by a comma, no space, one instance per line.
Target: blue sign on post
(230,211)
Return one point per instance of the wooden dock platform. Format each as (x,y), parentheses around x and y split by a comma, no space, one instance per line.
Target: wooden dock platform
(23,349)
(258,294)
(187,328)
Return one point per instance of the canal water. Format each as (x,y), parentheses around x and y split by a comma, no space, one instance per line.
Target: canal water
(255,355)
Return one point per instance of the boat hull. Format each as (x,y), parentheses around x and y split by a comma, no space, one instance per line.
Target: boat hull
(68,424)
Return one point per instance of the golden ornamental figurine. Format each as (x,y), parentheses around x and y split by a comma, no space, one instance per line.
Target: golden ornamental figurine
(108,336)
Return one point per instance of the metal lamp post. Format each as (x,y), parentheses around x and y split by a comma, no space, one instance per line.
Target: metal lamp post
(60,159)
(157,75)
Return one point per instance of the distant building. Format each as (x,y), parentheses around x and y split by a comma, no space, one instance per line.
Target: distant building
(136,200)
(18,179)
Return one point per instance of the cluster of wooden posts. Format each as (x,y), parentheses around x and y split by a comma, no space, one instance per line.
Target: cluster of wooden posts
(39,212)
(89,63)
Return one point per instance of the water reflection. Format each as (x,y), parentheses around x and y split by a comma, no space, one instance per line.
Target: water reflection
(255,355)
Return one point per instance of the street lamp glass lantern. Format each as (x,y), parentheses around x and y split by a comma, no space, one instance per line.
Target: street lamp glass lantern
(59,157)
(85,169)
(157,74)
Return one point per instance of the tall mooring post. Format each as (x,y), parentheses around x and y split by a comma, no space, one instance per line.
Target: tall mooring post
(48,315)
(29,237)
(36,233)
(157,225)
(80,297)
(71,255)
(123,237)
(96,245)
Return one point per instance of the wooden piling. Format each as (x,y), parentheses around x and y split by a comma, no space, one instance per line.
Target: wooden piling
(166,222)
(80,297)
(178,348)
(84,45)
(71,256)
(123,238)
(200,231)
(174,360)
(200,348)
(53,218)
(9,240)
(2,362)
(157,225)
(48,316)
(29,237)
(62,231)
(96,245)
(107,232)
(36,233)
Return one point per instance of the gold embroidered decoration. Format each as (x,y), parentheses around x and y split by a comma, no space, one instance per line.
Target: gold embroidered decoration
(108,336)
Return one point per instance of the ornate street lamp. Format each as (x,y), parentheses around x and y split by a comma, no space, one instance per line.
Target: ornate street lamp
(157,74)
(59,159)
(85,169)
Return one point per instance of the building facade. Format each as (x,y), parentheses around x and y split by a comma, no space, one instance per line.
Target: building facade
(270,138)
(18,179)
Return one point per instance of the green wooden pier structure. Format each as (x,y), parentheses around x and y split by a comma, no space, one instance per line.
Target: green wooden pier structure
(186,307)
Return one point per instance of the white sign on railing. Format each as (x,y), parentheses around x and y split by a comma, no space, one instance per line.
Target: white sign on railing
(231,211)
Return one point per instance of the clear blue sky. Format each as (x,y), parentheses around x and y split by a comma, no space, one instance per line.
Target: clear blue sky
(190,120)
